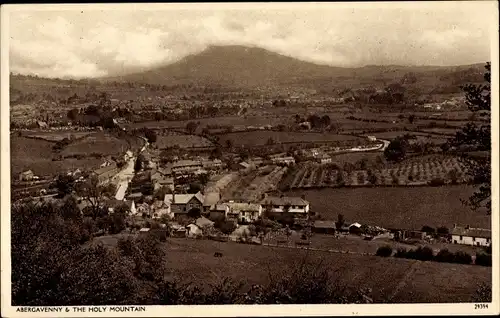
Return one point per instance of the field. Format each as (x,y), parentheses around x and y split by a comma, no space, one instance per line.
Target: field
(388,277)
(56,135)
(183,141)
(97,143)
(27,153)
(397,207)
(258,138)
(416,171)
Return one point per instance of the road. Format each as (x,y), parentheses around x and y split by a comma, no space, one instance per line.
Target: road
(123,178)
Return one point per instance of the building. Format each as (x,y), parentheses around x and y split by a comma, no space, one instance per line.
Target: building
(284,160)
(159,209)
(159,180)
(278,205)
(106,173)
(212,164)
(26,176)
(471,236)
(371,138)
(210,199)
(181,204)
(186,166)
(243,212)
(324,158)
(325,227)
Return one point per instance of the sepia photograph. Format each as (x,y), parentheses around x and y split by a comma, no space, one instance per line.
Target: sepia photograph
(317,157)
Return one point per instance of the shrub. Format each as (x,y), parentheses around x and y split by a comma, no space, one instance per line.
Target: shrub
(483,259)
(436,182)
(384,251)
(401,253)
(424,253)
(443,231)
(444,256)
(462,258)
(427,229)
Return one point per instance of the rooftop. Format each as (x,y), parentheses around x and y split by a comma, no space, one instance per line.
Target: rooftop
(284,201)
(472,232)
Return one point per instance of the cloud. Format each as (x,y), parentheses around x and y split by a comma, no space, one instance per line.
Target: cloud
(99,43)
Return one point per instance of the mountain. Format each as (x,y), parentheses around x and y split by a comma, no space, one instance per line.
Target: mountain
(234,65)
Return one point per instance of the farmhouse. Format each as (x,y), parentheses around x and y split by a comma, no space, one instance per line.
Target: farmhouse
(471,236)
(26,176)
(181,204)
(243,212)
(278,205)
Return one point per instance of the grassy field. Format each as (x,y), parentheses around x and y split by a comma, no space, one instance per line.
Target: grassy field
(398,207)
(399,280)
(57,135)
(100,143)
(255,138)
(27,153)
(183,141)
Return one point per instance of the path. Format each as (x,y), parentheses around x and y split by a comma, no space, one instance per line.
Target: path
(123,178)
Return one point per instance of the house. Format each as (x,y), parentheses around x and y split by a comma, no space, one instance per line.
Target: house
(159,209)
(181,204)
(240,166)
(143,209)
(159,181)
(325,227)
(26,176)
(284,160)
(177,230)
(371,138)
(186,166)
(278,205)
(212,164)
(136,196)
(243,212)
(128,155)
(355,228)
(106,173)
(219,211)
(324,158)
(471,236)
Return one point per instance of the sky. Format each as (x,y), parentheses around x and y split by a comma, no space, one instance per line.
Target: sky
(90,41)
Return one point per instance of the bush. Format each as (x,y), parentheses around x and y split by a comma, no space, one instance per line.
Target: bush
(401,253)
(483,259)
(443,231)
(427,229)
(384,251)
(226,227)
(445,256)
(423,253)
(462,258)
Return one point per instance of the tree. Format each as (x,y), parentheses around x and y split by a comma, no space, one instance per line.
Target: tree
(191,127)
(94,193)
(138,163)
(384,251)
(64,185)
(150,135)
(72,114)
(443,231)
(478,100)
(429,230)
(340,221)
(396,150)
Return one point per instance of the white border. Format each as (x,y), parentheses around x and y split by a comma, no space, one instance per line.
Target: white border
(243,310)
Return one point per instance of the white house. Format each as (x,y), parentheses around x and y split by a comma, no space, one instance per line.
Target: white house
(243,211)
(471,236)
(295,205)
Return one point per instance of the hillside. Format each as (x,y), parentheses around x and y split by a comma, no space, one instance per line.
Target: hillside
(241,66)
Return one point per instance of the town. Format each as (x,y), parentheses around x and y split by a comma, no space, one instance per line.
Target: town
(182,158)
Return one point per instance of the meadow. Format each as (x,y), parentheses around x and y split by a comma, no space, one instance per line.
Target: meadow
(389,278)
(183,141)
(261,137)
(37,155)
(98,143)
(397,207)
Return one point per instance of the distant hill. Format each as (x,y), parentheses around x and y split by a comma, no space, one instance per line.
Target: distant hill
(241,66)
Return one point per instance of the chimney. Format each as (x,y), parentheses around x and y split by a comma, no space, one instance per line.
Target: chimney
(454,225)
